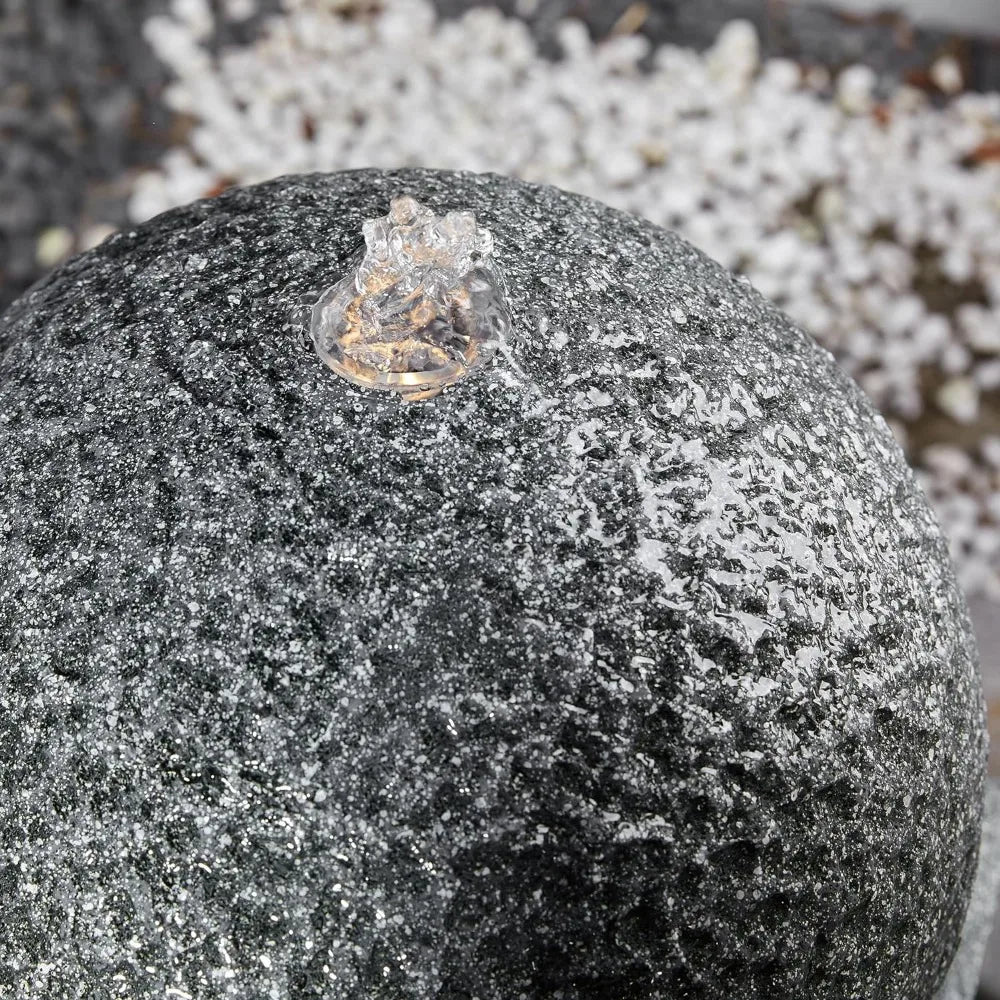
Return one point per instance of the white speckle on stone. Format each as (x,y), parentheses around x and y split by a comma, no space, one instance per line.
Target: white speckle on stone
(760,687)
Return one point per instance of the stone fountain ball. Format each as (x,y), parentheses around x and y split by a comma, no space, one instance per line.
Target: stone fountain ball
(630,666)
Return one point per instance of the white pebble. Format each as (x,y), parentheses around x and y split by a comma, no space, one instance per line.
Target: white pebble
(93,235)
(855,89)
(947,74)
(735,55)
(987,374)
(196,15)
(959,398)
(990,447)
(53,246)
(949,462)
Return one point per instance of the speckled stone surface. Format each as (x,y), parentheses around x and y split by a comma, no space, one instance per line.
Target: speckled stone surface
(631,667)
(966,968)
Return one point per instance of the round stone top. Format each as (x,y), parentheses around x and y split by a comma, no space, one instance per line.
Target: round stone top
(629,666)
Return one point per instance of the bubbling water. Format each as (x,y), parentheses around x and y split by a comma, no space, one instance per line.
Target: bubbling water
(423,306)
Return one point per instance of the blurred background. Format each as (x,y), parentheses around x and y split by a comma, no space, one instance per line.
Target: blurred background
(846,157)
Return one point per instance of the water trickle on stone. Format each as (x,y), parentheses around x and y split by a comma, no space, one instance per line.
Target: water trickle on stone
(423,308)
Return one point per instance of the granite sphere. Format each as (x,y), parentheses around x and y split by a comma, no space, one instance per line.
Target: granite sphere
(632,666)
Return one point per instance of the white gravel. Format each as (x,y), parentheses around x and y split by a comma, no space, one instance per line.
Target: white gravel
(843,204)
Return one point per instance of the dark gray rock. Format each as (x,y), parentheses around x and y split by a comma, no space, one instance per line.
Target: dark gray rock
(631,667)
(967,966)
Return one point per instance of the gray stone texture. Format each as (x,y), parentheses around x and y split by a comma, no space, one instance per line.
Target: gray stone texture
(631,667)
(965,971)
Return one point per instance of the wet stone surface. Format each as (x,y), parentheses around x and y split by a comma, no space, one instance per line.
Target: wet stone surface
(630,666)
